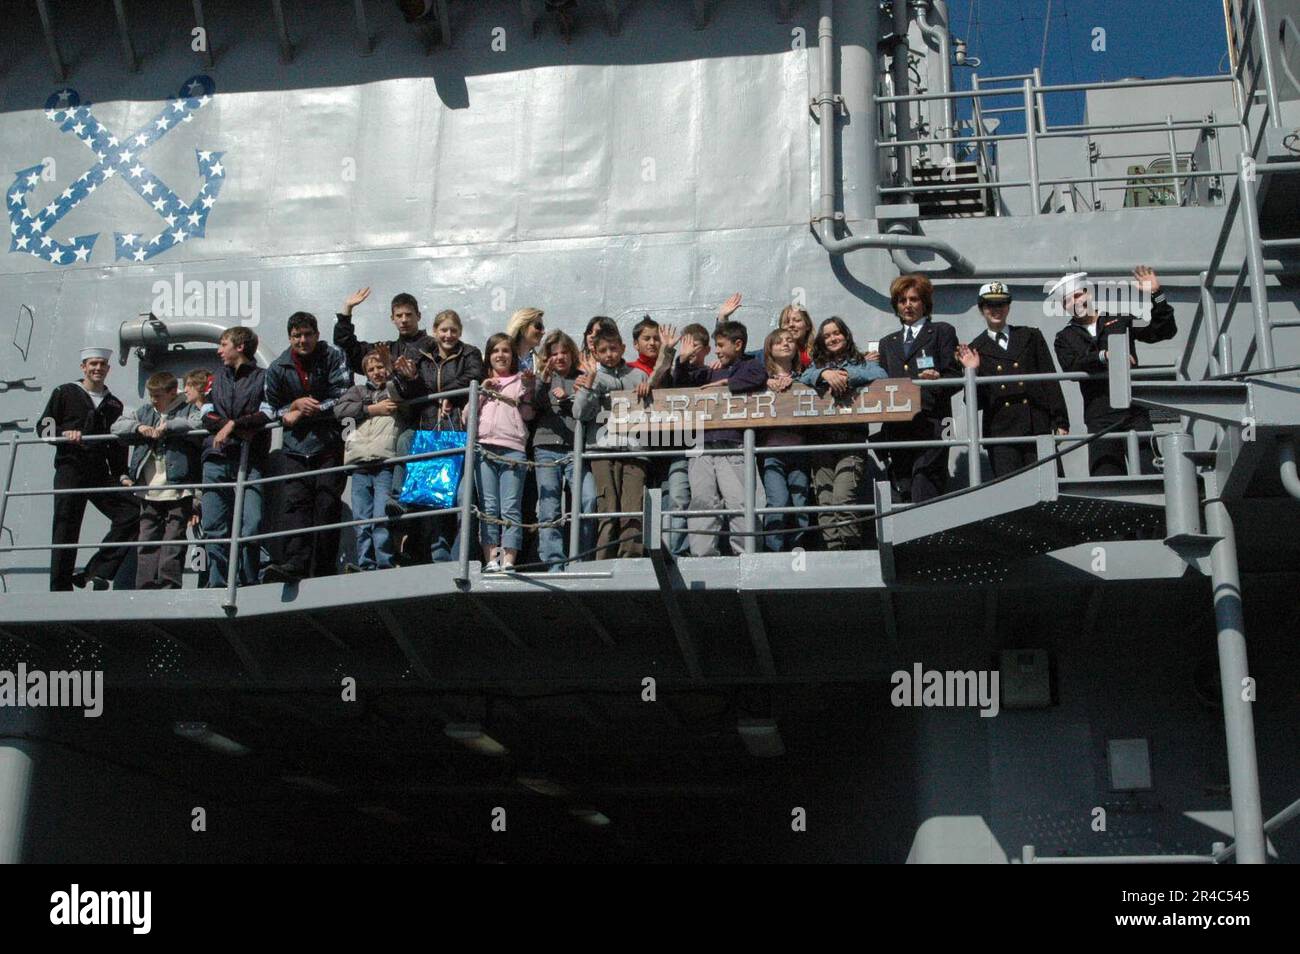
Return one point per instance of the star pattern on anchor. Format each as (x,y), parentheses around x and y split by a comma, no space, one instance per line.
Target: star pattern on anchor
(118,157)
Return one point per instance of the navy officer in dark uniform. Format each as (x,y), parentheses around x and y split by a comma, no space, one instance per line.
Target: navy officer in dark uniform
(80,409)
(924,349)
(1017,408)
(1082,346)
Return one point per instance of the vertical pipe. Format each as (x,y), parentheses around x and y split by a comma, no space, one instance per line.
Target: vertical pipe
(1182,504)
(751,493)
(1041,118)
(1270,83)
(1238,720)
(1225,353)
(826,116)
(1031,142)
(365,41)
(902,87)
(1255,261)
(282,32)
(17,757)
(128,50)
(859,172)
(971,396)
(1133,451)
(236,525)
(575,493)
(1209,321)
(1173,161)
(9,478)
(51,43)
(207,40)
(467,485)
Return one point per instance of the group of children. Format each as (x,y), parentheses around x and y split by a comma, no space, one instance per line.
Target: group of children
(536,389)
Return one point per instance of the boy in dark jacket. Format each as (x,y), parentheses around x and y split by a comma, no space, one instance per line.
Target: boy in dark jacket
(165,452)
(405,314)
(302,386)
(718,480)
(236,412)
(76,410)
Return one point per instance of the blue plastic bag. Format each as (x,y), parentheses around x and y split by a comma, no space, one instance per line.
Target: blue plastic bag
(434,482)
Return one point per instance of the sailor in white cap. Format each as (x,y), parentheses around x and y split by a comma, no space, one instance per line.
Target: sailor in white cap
(1013,409)
(77,410)
(1082,346)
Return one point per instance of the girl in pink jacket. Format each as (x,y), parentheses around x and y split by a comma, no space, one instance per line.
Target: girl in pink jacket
(507,406)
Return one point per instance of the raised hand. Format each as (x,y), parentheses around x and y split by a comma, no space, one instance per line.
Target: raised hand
(968,356)
(1146,279)
(728,307)
(669,336)
(689,347)
(356,298)
(406,368)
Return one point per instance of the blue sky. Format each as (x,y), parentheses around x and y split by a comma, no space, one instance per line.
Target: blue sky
(1146,38)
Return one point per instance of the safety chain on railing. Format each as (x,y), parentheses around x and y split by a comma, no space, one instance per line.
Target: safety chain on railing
(540,525)
(529,464)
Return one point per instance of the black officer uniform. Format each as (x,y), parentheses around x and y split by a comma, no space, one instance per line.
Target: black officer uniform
(918,474)
(1017,409)
(96,464)
(1078,350)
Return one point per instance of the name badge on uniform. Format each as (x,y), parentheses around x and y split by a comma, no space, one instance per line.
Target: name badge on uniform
(924,363)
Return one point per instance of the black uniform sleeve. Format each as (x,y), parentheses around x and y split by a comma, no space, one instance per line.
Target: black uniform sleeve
(945,346)
(1162,326)
(54,410)
(345,339)
(1078,352)
(1051,390)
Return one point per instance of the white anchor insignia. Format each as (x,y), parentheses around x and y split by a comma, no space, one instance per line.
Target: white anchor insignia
(116,157)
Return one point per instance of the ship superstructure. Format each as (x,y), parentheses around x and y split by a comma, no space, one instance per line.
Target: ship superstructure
(628,158)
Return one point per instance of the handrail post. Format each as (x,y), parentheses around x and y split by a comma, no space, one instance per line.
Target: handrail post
(1031,141)
(751,493)
(1255,261)
(467,485)
(1270,84)
(9,478)
(971,396)
(1133,451)
(236,524)
(575,493)
(1039,101)
(1173,160)
(1209,321)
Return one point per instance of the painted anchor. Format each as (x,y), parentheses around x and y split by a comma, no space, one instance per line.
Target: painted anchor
(30,232)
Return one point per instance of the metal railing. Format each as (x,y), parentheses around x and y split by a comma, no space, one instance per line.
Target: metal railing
(971,440)
(1032,92)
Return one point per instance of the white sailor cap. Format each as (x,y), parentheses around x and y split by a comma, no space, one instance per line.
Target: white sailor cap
(88,353)
(1067,284)
(995,292)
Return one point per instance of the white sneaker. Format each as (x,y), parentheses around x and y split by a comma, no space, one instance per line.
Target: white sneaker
(507,568)
(492,566)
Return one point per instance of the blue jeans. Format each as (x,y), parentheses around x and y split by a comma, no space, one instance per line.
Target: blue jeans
(218,506)
(786,485)
(501,488)
(677,496)
(370,488)
(551,482)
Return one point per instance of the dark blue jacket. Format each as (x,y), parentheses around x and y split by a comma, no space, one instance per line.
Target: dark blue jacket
(744,376)
(327,378)
(238,396)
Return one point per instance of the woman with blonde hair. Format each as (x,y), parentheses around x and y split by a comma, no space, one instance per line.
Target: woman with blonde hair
(796,320)
(525,330)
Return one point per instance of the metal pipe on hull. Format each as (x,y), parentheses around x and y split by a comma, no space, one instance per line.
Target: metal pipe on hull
(859,29)
(1238,720)
(825,104)
(902,87)
(938,32)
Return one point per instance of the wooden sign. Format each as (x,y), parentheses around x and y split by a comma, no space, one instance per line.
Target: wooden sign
(888,399)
